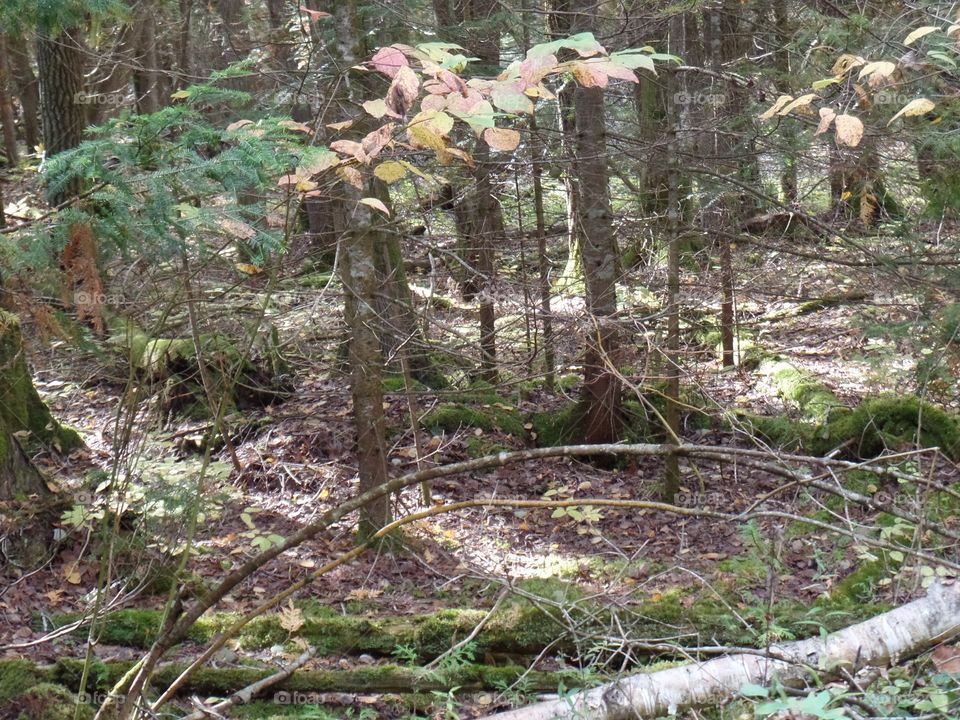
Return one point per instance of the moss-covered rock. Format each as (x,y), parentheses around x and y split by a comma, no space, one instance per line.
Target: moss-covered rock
(15,677)
(451,417)
(48,701)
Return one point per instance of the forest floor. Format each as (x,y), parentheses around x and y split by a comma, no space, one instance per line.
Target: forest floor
(296,462)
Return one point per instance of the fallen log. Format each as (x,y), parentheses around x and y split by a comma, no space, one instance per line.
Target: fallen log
(888,638)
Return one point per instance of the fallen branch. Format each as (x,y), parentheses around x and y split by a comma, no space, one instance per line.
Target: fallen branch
(251,691)
(903,632)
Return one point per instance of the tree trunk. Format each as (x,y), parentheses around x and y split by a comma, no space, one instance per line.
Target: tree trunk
(60,67)
(29,506)
(28,89)
(893,636)
(7,117)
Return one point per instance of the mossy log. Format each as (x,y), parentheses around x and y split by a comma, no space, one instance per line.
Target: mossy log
(246,380)
(26,425)
(814,400)
(887,422)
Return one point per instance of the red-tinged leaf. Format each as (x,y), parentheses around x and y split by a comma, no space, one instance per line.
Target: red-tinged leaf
(297,126)
(337,126)
(451,81)
(535,69)
(389,60)
(349,147)
(315,14)
(509,97)
(589,75)
(292,179)
(403,91)
(314,194)
(502,139)
(351,176)
(238,124)
(375,141)
(616,70)
(946,659)
(433,103)
(376,205)
(469,103)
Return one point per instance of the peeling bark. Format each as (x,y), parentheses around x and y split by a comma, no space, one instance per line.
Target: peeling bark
(878,642)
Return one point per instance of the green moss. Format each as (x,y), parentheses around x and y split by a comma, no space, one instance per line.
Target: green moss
(47,701)
(482,446)
(891,422)
(21,409)
(814,399)
(396,384)
(559,427)
(454,416)
(15,677)
(859,587)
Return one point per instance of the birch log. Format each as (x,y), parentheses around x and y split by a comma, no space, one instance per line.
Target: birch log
(880,641)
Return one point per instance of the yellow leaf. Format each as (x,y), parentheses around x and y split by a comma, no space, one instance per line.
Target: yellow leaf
(847,62)
(781,101)
(376,205)
(877,71)
(917,106)
(248,269)
(919,33)
(390,171)
(846,195)
(72,575)
(849,130)
(801,101)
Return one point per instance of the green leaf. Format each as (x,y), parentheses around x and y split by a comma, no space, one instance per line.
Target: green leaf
(754,691)
(559,513)
(634,60)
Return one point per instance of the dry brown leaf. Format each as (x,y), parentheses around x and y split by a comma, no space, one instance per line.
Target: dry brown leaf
(849,130)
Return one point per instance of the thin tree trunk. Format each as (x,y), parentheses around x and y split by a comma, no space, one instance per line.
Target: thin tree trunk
(671,480)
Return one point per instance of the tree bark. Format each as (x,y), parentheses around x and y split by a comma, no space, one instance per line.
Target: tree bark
(7,117)
(60,67)
(23,489)
(28,89)
(878,642)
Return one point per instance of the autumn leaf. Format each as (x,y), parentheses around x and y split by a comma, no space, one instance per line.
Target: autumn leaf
(376,204)
(291,618)
(351,176)
(403,91)
(800,102)
(315,14)
(337,126)
(917,106)
(248,269)
(781,102)
(827,116)
(377,140)
(390,171)
(389,60)
(946,658)
(509,97)
(919,33)
(378,108)
(847,62)
(877,71)
(534,69)
(297,126)
(849,130)
(502,139)
(350,147)
(238,124)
